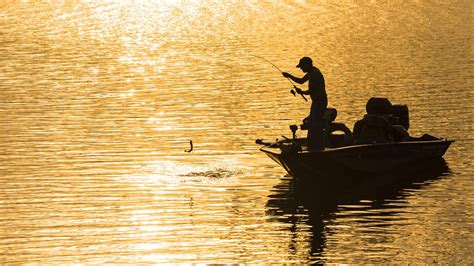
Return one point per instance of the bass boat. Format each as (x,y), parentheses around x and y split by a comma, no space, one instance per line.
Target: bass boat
(379,146)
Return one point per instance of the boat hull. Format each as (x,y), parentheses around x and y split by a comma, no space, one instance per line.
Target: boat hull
(358,164)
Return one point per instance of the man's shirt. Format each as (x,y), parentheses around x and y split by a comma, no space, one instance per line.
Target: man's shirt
(316,84)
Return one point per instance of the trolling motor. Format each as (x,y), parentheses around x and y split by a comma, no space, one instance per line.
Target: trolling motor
(293,129)
(295,145)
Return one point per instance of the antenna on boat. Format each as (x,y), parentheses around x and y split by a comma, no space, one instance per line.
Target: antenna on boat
(294,86)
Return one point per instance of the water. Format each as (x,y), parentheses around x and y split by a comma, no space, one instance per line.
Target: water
(99,102)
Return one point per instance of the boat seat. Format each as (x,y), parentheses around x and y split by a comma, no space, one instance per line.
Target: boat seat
(329,116)
(378,106)
(400,133)
(337,140)
(373,129)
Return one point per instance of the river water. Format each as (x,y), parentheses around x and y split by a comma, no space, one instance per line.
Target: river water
(99,102)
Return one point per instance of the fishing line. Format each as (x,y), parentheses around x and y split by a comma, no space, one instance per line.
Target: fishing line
(294,86)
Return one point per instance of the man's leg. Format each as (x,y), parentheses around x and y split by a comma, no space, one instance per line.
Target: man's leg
(316,126)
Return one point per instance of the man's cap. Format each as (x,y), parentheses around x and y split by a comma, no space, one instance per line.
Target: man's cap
(305,61)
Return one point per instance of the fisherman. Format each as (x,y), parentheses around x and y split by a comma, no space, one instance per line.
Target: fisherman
(319,100)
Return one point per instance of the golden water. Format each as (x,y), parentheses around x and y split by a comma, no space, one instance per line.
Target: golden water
(99,102)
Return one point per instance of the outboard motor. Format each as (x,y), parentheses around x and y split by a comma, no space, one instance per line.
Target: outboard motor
(401,111)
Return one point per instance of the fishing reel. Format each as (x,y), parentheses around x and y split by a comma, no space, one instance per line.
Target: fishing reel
(294,93)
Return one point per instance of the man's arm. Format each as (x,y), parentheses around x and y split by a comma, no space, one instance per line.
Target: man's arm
(300,91)
(295,79)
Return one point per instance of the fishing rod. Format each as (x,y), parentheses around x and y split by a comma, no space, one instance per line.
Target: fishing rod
(294,86)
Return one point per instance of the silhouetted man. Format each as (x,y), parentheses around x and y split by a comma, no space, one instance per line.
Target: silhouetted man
(319,100)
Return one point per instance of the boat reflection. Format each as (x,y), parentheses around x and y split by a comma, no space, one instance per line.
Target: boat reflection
(306,210)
